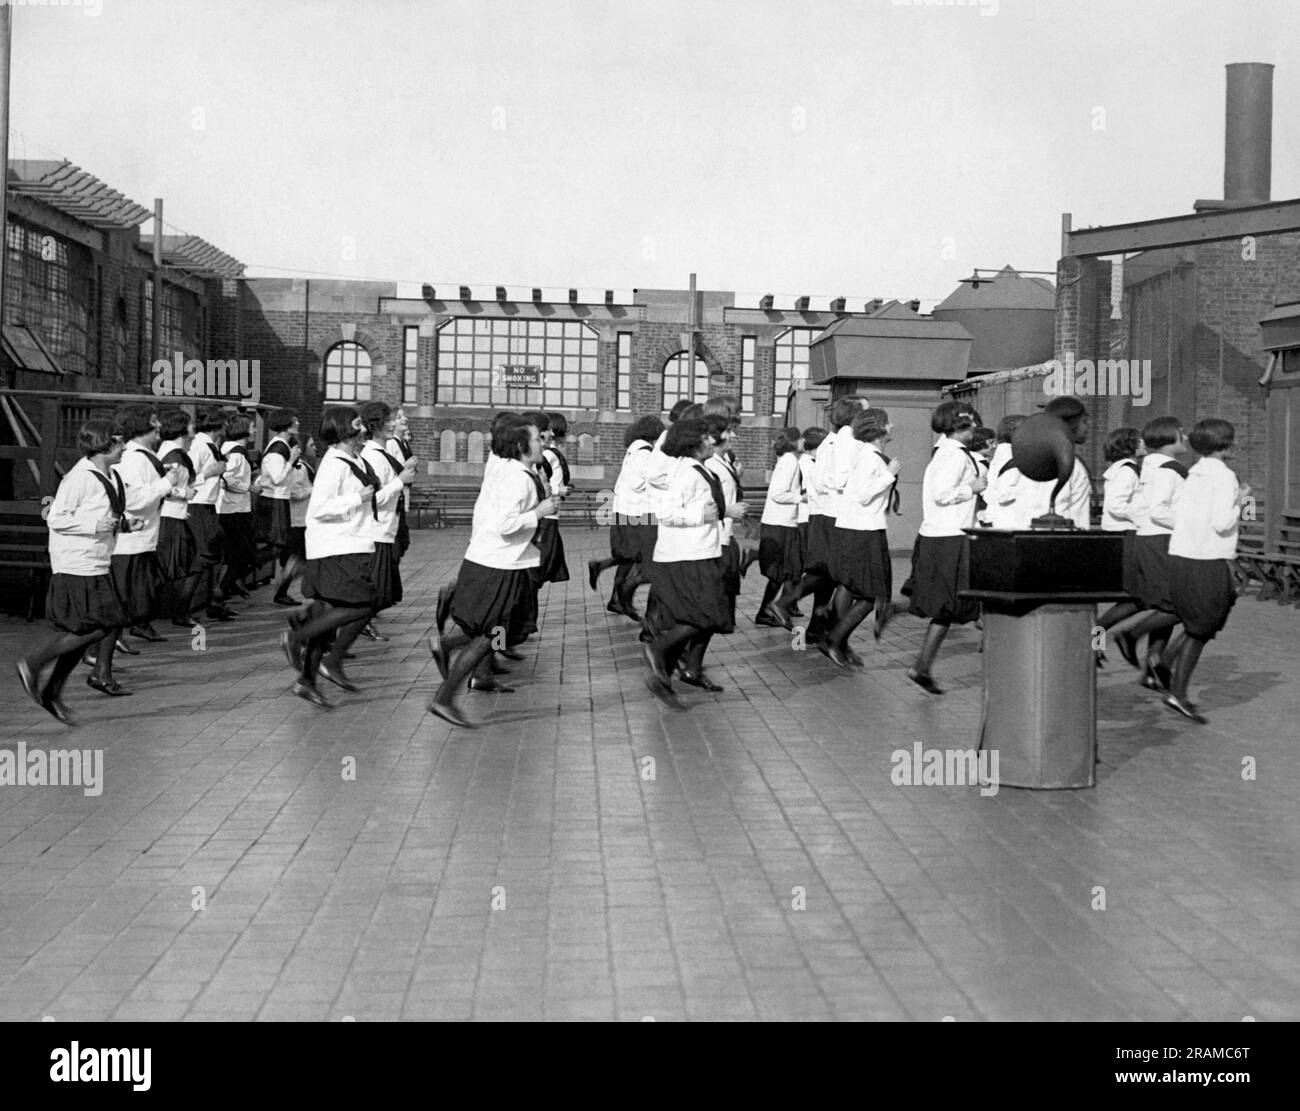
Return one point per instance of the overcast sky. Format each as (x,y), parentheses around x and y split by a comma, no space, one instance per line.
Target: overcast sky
(866,148)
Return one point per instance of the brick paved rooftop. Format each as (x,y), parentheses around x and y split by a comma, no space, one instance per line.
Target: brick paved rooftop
(622,896)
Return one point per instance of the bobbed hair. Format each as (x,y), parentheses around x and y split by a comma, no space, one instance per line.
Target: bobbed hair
(1069,409)
(1161,432)
(281,420)
(679,407)
(952,416)
(869,425)
(844,409)
(374,415)
(1122,443)
(134,420)
(685,436)
(648,428)
(537,417)
(210,420)
(559,424)
(787,440)
(336,425)
(1211,435)
(95,437)
(981,438)
(175,424)
(512,439)
(813,438)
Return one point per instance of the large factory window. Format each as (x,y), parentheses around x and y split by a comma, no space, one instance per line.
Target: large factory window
(476,359)
(410,365)
(748,345)
(685,378)
(623,372)
(347,373)
(50,288)
(791,363)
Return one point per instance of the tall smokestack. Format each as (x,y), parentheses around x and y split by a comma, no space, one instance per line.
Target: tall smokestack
(1248,134)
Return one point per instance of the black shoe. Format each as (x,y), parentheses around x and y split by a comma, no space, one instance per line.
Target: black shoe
(147,632)
(237,589)
(656,663)
(663,691)
(510,654)
(1187,709)
(111,687)
(220,613)
(837,656)
(185,623)
(53,706)
(337,678)
(593,572)
(1101,659)
(613,607)
(780,615)
(28,681)
(1156,677)
(371,633)
(443,609)
(285,600)
(497,669)
(439,653)
(854,659)
(450,715)
(490,686)
(1128,649)
(748,557)
(125,648)
(308,693)
(629,611)
(924,681)
(698,679)
(794,611)
(767,621)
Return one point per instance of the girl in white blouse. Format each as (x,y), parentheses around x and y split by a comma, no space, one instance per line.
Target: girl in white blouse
(88,512)
(1119,486)
(493,592)
(1202,548)
(340,557)
(780,552)
(632,531)
(689,594)
(862,567)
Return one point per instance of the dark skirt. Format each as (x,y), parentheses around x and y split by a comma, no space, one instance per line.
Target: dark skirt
(387,577)
(1203,594)
(821,530)
(238,542)
(691,592)
(862,563)
(176,548)
(1130,580)
(492,600)
(630,541)
(1151,572)
(278,531)
(81,604)
(803,544)
(137,580)
(940,571)
(780,552)
(341,580)
(298,541)
(403,538)
(207,534)
(552,569)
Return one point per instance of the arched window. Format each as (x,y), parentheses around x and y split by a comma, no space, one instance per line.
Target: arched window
(684,380)
(586,449)
(474,448)
(347,373)
(447,446)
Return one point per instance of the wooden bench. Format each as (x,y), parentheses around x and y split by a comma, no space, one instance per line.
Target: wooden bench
(1276,571)
(25,547)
